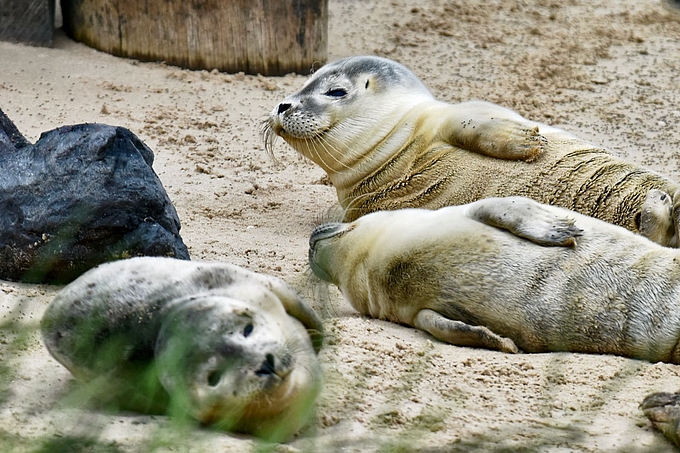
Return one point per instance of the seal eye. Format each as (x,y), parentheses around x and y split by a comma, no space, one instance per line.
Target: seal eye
(336,93)
(247,330)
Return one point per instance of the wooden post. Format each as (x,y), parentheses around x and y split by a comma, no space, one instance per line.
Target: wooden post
(27,21)
(268,37)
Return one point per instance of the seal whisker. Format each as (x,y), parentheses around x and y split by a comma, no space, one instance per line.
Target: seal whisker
(337,135)
(355,200)
(322,297)
(323,143)
(328,147)
(312,151)
(269,137)
(225,419)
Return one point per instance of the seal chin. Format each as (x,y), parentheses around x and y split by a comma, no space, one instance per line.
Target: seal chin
(318,270)
(319,234)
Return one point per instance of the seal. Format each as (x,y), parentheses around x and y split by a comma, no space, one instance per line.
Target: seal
(663,410)
(509,274)
(227,346)
(386,143)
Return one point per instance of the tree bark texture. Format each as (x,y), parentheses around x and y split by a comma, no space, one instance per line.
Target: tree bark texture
(268,37)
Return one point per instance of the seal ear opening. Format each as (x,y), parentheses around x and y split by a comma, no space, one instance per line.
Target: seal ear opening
(367,82)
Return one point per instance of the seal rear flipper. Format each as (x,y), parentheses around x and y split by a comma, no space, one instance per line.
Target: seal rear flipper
(461,334)
(663,410)
(526,218)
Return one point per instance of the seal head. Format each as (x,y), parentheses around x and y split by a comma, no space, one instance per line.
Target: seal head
(237,366)
(347,102)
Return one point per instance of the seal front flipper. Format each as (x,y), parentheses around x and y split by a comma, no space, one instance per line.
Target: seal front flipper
(663,410)
(526,218)
(299,309)
(461,334)
(493,130)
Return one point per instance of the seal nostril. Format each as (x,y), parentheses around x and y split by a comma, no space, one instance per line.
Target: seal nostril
(268,366)
(214,378)
(283,107)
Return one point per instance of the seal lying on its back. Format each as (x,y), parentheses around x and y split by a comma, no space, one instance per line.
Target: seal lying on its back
(509,274)
(215,341)
(386,143)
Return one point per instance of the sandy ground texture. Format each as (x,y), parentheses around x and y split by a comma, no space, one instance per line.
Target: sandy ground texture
(606,70)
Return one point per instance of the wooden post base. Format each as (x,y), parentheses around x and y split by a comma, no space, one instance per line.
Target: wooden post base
(268,37)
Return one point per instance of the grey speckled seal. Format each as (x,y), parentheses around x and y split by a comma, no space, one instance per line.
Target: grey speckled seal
(225,345)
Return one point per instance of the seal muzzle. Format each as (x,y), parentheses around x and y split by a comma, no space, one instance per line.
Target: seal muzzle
(322,232)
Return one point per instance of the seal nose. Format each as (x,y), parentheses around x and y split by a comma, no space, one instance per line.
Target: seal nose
(283,107)
(324,231)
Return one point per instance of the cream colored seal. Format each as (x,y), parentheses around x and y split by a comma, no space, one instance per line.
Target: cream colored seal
(509,274)
(222,344)
(386,143)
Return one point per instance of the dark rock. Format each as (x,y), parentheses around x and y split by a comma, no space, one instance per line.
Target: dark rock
(27,21)
(80,196)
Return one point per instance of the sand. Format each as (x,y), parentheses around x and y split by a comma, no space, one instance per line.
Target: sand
(604,70)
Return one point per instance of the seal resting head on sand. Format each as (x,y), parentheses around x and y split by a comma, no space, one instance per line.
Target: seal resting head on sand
(225,345)
(509,274)
(386,143)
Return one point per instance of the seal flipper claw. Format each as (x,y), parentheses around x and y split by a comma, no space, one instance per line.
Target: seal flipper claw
(461,334)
